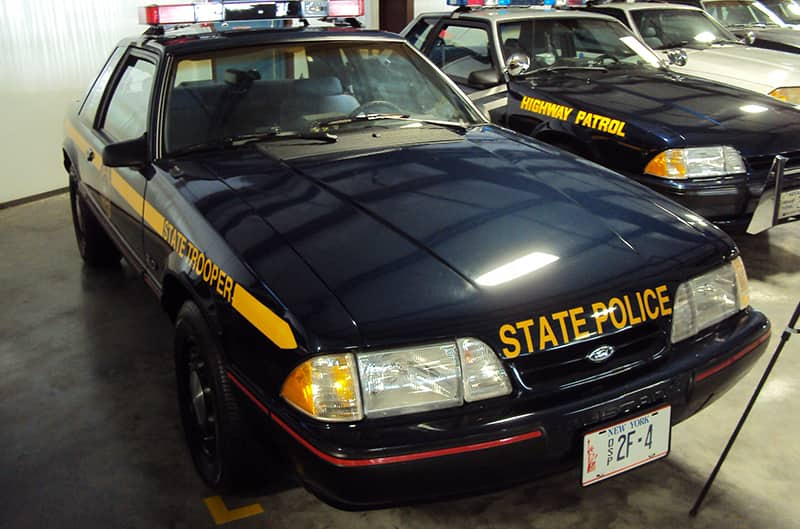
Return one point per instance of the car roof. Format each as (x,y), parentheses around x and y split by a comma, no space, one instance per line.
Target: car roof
(520,13)
(181,44)
(641,6)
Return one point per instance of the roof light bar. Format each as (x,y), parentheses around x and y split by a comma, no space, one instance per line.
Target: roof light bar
(247,10)
(494,3)
(345,8)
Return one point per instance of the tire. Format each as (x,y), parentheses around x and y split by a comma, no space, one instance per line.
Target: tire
(222,448)
(95,246)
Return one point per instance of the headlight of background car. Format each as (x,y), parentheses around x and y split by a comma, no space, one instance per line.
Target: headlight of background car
(790,94)
(696,162)
(396,381)
(708,299)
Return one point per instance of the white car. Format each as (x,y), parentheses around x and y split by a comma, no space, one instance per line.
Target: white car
(712,51)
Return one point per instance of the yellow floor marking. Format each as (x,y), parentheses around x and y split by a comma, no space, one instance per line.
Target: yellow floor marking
(219,511)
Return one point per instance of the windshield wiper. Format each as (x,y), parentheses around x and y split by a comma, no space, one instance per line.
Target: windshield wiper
(399,117)
(277,135)
(748,25)
(356,119)
(238,141)
(555,68)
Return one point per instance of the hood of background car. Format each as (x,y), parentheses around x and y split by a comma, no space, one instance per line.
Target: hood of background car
(676,109)
(401,224)
(756,69)
(789,37)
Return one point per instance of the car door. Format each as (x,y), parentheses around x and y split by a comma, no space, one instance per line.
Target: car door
(124,115)
(466,52)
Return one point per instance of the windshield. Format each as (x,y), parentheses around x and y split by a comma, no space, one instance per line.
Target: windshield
(662,29)
(787,10)
(733,13)
(575,43)
(287,90)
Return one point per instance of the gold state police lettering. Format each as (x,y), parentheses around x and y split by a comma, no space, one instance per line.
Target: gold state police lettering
(560,328)
(581,118)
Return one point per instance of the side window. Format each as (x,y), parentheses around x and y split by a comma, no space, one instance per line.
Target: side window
(420,32)
(461,50)
(126,117)
(92,101)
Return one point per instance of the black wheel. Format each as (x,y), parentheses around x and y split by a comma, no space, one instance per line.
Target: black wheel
(222,451)
(94,244)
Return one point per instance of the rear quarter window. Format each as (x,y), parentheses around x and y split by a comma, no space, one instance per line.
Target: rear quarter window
(91,103)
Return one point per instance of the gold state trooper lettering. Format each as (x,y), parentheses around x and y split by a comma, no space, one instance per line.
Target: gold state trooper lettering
(581,118)
(204,267)
(561,328)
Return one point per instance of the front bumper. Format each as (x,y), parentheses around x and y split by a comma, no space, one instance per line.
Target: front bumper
(505,441)
(726,201)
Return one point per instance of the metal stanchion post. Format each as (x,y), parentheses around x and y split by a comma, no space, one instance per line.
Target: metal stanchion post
(790,329)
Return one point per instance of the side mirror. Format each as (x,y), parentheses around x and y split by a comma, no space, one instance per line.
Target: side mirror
(484,78)
(750,38)
(128,153)
(678,57)
(517,64)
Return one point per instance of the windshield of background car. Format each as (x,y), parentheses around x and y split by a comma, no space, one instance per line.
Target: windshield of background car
(229,94)
(579,42)
(737,14)
(672,28)
(787,10)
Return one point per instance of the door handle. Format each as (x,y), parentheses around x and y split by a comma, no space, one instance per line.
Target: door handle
(90,155)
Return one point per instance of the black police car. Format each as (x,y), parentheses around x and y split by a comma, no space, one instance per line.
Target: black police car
(367,277)
(583,82)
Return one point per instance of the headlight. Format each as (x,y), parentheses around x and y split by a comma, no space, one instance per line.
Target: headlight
(708,299)
(696,162)
(396,381)
(326,387)
(790,94)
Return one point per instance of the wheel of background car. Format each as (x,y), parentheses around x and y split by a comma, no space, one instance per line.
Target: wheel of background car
(94,244)
(375,103)
(600,59)
(218,439)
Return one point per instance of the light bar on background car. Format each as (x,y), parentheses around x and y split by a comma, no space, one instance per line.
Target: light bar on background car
(244,10)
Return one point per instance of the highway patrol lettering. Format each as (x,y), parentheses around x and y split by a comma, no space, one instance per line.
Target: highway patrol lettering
(581,118)
(560,328)
(204,267)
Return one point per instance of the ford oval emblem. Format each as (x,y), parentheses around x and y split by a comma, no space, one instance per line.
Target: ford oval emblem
(601,354)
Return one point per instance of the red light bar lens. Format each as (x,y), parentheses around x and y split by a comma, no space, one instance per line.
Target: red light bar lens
(345,8)
(181,13)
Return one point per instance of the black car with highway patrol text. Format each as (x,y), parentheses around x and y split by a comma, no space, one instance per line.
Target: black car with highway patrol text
(584,82)
(369,279)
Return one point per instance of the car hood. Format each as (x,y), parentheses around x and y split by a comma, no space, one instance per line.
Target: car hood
(787,36)
(401,224)
(673,109)
(756,69)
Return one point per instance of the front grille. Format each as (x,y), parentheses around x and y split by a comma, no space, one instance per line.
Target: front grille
(760,166)
(567,368)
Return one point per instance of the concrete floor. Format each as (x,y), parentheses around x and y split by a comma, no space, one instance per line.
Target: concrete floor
(91,436)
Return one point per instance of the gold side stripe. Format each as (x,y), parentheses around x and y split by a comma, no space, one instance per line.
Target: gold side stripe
(127,192)
(83,145)
(261,317)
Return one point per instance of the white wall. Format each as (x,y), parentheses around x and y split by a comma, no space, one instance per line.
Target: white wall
(51,51)
(430,6)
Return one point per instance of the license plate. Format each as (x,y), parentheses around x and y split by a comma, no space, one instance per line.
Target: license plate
(790,204)
(625,445)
